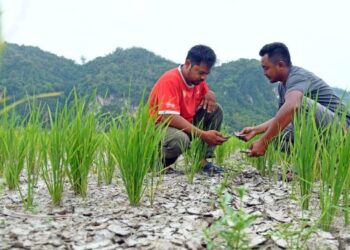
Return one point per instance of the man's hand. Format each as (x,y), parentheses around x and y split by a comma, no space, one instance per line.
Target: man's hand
(248,133)
(209,101)
(258,148)
(212,137)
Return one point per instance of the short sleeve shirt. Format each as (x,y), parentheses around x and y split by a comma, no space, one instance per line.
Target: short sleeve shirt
(172,95)
(311,86)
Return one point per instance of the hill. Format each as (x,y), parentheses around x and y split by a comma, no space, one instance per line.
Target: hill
(121,77)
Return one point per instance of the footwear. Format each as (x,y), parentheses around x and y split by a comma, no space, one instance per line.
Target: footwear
(210,168)
(170,170)
(289,176)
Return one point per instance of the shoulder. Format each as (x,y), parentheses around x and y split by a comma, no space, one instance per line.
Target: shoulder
(171,74)
(297,73)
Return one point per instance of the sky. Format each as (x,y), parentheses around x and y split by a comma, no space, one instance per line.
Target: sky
(316,31)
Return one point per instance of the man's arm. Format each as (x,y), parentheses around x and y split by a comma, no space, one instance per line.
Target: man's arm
(248,133)
(282,118)
(211,136)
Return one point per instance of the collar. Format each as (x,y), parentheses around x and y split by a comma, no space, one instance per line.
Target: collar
(183,78)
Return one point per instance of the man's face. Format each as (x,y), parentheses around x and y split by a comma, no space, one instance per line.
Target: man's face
(197,73)
(271,70)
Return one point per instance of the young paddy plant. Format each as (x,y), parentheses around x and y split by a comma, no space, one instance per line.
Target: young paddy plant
(14,145)
(136,142)
(224,150)
(335,173)
(305,152)
(81,144)
(32,134)
(106,163)
(53,155)
(193,157)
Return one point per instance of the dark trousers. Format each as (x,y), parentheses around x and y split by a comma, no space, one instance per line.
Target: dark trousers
(176,141)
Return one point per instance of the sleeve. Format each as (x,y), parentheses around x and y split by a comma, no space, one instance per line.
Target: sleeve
(168,98)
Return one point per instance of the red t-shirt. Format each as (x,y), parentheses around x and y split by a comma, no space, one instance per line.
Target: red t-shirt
(172,96)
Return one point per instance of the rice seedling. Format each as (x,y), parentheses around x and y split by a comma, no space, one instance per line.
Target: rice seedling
(230,230)
(106,163)
(136,141)
(13,145)
(53,156)
(32,159)
(335,172)
(305,153)
(193,157)
(224,150)
(221,152)
(260,164)
(82,142)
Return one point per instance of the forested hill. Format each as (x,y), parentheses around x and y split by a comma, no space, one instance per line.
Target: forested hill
(245,94)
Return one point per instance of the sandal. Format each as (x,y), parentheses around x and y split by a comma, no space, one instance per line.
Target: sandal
(210,168)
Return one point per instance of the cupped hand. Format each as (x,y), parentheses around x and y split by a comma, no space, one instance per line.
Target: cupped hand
(247,133)
(213,137)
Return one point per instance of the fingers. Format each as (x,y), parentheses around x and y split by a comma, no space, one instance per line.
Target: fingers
(209,106)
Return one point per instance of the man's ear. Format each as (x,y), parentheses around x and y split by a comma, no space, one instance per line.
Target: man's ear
(281,64)
(188,63)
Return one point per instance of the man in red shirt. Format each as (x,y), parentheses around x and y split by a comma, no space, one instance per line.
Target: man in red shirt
(182,97)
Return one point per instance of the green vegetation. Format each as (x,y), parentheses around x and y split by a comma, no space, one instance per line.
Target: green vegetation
(135,141)
(53,151)
(29,70)
(230,230)
(193,157)
(82,142)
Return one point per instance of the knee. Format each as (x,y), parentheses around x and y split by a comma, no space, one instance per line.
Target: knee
(178,144)
(218,110)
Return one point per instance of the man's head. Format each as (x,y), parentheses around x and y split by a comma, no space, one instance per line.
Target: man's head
(275,61)
(200,59)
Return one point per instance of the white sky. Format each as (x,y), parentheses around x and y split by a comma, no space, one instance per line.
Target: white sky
(316,31)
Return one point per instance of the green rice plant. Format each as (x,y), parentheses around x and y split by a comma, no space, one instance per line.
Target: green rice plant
(260,164)
(346,203)
(53,156)
(193,157)
(230,230)
(32,133)
(14,146)
(81,144)
(224,150)
(136,142)
(305,152)
(221,152)
(2,149)
(282,157)
(106,163)
(335,172)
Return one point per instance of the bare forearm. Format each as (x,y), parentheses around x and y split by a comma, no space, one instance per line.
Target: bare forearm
(283,117)
(261,128)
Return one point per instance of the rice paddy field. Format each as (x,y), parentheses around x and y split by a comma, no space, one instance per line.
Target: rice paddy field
(73,179)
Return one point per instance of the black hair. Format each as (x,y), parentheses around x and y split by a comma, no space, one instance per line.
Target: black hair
(202,54)
(276,52)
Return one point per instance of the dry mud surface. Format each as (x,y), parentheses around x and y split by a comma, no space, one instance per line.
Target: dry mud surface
(105,220)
